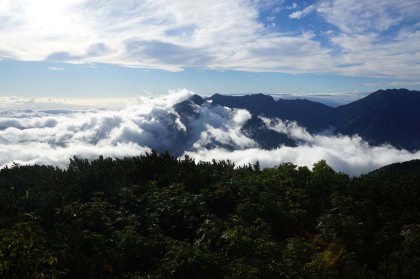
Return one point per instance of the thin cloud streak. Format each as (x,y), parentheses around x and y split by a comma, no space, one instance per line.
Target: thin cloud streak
(56,69)
(28,103)
(394,84)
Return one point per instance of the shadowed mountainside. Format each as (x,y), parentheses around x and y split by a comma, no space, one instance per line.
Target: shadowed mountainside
(386,116)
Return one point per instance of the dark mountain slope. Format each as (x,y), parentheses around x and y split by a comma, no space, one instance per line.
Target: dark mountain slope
(386,116)
(265,137)
(314,116)
(259,104)
(186,108)
(410,167)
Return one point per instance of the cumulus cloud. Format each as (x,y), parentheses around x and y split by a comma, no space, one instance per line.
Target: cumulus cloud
(205,133)
(52,136)
(351,155)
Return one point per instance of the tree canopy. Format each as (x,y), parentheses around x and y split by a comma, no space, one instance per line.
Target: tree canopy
(157,216)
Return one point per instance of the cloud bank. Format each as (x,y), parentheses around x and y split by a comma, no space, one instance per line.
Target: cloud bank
(368,38)
(209,132)
(16,103)
(350,155)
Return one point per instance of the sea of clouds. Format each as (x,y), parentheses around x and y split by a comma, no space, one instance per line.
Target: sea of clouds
(52,136)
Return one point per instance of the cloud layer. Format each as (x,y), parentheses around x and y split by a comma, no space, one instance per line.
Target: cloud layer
(368,38)
(15,103)
(210,132)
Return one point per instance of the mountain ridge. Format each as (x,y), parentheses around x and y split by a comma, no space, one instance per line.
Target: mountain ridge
(411,167)
(383,117)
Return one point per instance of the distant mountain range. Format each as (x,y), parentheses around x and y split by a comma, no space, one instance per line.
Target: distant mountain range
(389,116)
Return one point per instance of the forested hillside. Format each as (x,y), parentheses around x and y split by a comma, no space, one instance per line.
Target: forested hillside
(156,216)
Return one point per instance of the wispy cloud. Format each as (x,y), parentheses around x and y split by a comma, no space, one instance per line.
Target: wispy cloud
(24,103)
(369,15)
(378,37)
(299,14)
(394,83)
(56,69)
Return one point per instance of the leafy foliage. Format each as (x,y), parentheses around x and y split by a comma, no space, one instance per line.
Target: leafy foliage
(156,216)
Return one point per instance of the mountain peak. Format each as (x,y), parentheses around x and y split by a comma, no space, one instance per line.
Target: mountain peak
(393,91)
(393,95)
(388,98)
(196,99)
(412,166)
(255,103)
(385,116)
(258,97)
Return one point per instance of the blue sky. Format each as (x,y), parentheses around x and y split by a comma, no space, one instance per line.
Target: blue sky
(128,48)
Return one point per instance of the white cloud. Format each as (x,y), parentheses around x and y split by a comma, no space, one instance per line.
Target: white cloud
(109,31)
(43,153)
(351,155)
(299,14)
(221,127)
(212,34)
(365,54)
(368,15)
(15,102)
(56,69)
(365,158)
(298,54)
(53,136)
(394,84)
(212,132)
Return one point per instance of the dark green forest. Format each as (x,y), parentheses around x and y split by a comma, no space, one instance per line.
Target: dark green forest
(158,216)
